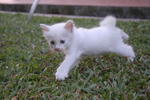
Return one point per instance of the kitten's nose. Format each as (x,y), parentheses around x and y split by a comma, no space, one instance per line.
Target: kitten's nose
(57,49)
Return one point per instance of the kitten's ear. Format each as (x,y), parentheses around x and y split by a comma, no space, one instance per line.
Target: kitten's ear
(69,25)
(44,27)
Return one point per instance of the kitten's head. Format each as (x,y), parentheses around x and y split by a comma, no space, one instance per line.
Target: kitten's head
(59,36)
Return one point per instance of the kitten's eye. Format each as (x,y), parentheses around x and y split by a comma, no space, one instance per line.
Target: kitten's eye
(52,42)
(62,41)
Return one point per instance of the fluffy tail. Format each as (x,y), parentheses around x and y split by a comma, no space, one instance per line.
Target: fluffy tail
(108,21)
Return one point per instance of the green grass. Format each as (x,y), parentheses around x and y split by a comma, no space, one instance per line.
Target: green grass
(27,68)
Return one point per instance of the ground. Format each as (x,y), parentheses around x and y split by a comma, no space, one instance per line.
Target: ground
(27,67)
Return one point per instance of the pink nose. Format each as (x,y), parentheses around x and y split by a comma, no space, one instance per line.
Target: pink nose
(57,49)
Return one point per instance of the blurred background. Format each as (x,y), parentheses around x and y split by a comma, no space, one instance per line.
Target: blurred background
(137,9)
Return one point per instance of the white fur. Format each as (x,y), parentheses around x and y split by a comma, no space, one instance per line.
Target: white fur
(81,41)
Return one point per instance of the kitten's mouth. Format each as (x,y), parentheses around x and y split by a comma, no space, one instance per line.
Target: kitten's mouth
(57,50)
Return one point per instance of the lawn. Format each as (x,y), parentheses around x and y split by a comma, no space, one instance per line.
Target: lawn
(27,67)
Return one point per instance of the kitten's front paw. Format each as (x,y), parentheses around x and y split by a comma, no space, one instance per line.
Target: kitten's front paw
(131,59)
(61,75)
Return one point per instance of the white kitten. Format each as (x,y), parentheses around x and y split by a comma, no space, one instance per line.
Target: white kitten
(75,42)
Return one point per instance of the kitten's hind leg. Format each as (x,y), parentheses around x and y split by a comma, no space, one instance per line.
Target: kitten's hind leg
(125,50)
(125,36)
